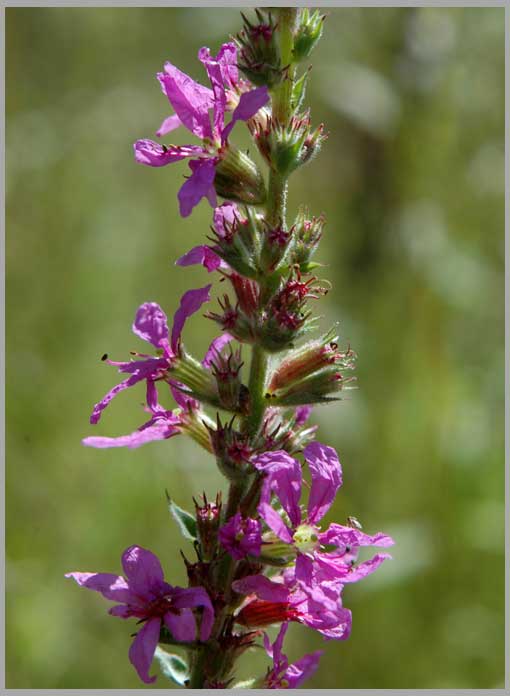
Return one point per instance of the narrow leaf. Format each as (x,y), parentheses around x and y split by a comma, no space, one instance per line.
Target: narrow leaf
(185,521)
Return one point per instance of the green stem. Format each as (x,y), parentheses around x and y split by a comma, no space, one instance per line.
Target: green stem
(275,215)
(257,387)
(197,675)
(282,112)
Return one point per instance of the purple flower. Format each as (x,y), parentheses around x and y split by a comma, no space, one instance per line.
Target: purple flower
(144,594)
(241,536)
(192,103)
(314,560)
(283,675)
(150,324)
(283,599)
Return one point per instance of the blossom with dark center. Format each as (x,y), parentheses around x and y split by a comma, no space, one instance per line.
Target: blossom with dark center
(145,595)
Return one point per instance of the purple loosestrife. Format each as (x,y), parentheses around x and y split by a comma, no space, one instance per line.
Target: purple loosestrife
(145,595)
(262,554)
(283,475)
(192,103)
(150,324)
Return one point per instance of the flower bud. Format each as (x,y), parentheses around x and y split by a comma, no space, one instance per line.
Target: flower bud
(279,433)
(308,33)
(236,242)
(238,178)
(208,524)
(306,238)
(286,317)
(247,293)
(287,146)
(276,242)
(310,373)
(312,144)
(260,612)
(226,370)
(259,54)
(232,451)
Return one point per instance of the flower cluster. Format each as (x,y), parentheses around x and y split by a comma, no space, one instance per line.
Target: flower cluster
(264,556)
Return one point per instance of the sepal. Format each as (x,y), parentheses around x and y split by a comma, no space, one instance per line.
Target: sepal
(238,178)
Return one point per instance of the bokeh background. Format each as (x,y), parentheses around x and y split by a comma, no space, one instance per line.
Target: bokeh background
(412,183)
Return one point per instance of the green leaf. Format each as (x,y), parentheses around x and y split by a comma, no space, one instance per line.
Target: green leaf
(173,666)
(298,91)
(185,521)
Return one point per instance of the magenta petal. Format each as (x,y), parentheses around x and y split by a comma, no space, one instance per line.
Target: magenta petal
(168,125)
(277,647)
(190,100)
(283,476)
(215,75)
(160,431)
(303,668)
(304,571)
(152,395)
(182,626)
(367,568)
(343,627)
(151,323)
(347,536)
(198,186)
(241,536)
(196,597)
(134,379)
(201,255)
(143,648)
(111,586)
(275,522)
(326,478)
(190,303)
(302,414)
(227,59)
(263,587)
(216,347)
(225,214)
(155,155)
(249,104)
(333,568)
(143,571)
(123,611)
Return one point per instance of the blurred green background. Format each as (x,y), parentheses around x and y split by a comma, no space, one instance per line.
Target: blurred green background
(412,183)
